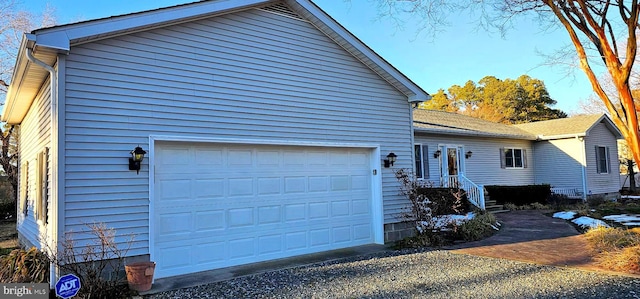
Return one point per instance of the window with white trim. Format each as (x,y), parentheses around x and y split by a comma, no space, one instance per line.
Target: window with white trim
(421,161)
(513,158)
(42,179)
(602,159)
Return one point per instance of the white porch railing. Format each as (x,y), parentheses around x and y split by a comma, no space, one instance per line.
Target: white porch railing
(569,192)
(475,192)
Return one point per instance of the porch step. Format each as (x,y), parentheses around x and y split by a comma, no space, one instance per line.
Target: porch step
(493,207)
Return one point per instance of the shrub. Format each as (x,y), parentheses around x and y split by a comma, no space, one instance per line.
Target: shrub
(595,200)
(424,204)
(99,264)
(445,201)
(602,239)
(24,266)
(618,249)
(480,227)
(624,260)
(511,206)
(519,195)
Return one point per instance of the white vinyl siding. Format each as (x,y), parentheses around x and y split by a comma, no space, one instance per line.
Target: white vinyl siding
(483,167)
(603,182)
(250,75)
(35,133)
(559,163)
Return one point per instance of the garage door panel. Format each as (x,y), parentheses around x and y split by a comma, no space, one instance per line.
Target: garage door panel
(226,205)
(208,188)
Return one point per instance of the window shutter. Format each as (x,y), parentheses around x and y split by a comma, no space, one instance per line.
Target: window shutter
(42,181)
(38,201)
(24,181)
(503,163)
(606,149)
(425,161)
(524,158)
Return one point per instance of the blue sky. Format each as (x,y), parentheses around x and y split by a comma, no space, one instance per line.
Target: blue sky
(458,54)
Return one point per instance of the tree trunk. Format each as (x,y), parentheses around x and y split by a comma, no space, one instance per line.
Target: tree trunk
(632,176)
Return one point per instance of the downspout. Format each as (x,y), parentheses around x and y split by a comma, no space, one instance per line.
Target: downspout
(54,174)
(584,169)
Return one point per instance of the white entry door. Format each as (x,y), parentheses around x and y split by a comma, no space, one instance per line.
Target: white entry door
(451,164)
(220,205)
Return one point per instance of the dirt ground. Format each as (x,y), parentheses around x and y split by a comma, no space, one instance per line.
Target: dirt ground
(8,234)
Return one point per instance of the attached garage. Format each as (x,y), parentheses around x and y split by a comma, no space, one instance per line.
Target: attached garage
(216,205)
(266,125)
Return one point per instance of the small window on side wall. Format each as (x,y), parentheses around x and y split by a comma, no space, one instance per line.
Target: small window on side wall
(602,159)
(421,161)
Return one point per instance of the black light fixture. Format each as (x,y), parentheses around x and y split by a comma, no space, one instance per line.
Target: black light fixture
(436,154)
(137,155)
(468,154)
(391,158)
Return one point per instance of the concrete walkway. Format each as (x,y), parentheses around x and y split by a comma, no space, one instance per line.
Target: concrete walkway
(530,236)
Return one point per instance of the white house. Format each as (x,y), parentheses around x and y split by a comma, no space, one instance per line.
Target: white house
(576,155)
(265,125)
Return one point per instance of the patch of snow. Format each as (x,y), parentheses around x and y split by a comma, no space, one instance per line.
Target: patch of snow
(568,215)
(444,220)
(623,217)
(630,196)
(589,222)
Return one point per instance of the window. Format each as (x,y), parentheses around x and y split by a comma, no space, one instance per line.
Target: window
(422,161)
(602,159)
(513,158)
(42,179)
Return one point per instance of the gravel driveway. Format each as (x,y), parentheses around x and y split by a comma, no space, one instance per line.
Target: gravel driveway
(429,274)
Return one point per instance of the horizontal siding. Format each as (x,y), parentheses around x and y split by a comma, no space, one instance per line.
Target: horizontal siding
(483,167)
(559,163)
(251,75)
(598,183)
(35,135)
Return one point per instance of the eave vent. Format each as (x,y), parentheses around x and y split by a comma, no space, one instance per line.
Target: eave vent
(282,10)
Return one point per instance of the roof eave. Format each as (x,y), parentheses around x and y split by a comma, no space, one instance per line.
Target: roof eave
(473,134)
(561,136)
(27,79)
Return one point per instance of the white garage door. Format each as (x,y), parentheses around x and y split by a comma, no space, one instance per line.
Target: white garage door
(218,205)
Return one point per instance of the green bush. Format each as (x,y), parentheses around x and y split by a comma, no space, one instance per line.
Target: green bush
(480,227)
(519,195)
(21,265)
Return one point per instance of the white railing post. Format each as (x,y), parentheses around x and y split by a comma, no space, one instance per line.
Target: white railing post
(482,204)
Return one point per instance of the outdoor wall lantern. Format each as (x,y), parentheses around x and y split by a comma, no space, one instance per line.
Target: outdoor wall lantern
(137,155)
(468,154)
(391,158)
(436,154)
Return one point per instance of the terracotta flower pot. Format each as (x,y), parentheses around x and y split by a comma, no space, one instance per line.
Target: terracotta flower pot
(140,275)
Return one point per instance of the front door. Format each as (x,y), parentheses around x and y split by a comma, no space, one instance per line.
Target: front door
(451,166)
